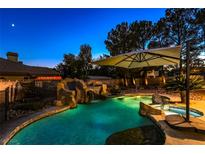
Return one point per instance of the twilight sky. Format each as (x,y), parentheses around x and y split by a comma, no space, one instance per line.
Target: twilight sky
(42,36)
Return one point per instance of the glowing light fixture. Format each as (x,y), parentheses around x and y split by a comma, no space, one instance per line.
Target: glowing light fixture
(48,78)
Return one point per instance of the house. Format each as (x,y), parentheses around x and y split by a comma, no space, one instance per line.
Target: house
(13,69)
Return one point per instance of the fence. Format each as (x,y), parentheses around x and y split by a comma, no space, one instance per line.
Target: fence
(4,102)
(7,95)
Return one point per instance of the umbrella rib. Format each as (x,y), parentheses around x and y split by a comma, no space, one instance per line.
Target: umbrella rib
(138,60)
(163,55)
(143,56)
(152,58)
(133,60)
(147,63)
(128,56)
(169,60)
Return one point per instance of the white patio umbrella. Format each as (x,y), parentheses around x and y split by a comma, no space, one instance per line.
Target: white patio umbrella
(144,58)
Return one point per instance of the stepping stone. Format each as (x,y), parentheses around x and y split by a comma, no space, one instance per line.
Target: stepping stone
(145,135)
(174,119)
(178,122)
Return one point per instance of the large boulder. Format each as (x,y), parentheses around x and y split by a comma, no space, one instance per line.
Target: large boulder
(91,95)
(72,91)
(66,96)
(99,88)
(80,89)
(103,90)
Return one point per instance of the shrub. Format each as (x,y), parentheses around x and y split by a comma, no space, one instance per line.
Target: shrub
(115,90)
(29,106)
(179,84)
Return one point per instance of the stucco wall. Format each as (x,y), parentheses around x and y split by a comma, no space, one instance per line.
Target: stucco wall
(13,78)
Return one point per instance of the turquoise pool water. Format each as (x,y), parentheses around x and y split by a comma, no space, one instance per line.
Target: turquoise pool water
(182,111)
(87,124)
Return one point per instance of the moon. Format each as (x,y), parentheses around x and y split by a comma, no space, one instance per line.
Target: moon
(12,25)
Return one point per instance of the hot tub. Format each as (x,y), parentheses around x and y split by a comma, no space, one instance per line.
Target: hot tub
(169,110)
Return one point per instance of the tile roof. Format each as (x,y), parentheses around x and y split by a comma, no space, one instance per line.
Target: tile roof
(8,67)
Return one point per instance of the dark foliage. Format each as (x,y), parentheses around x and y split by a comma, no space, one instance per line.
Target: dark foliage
(177,27)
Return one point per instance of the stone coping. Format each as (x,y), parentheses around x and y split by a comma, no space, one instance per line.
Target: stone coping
(139,94)
(11,130)
(146,109)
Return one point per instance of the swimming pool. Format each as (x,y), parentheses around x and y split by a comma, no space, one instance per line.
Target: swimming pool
(87,124)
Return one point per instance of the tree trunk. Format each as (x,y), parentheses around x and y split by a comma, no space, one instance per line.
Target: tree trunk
(183,96)
(180,64)
(125,81)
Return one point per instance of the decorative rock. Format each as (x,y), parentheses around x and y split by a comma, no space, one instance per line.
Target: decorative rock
(73,91)
(149,135)
(90,95)
(146,109)
(58,103)
(66,96)
(103,90)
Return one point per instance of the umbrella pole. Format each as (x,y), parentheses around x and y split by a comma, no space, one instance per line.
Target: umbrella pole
(187,81)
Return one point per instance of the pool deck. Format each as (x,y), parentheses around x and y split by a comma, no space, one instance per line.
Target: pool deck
(11,127)
(183,137)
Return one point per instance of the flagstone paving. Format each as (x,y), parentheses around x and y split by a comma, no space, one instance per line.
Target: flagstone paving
(178,137)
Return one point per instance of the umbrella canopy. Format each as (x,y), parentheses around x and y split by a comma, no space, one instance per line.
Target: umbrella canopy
(144,58)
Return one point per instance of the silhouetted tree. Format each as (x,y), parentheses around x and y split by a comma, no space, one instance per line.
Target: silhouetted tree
(85,56)
(200,22)
(74,66)
(140,34)
(179,29)
(117,41)
(159,35)
(69,66)
(125,38)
